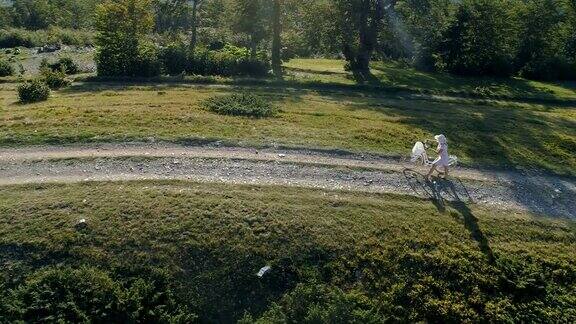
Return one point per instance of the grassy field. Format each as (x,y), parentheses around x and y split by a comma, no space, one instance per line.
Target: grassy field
(397,75)
(172,250)
(493,134)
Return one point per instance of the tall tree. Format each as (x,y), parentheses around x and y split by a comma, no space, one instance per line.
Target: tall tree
(194,38)
(359,24)
(249,19)
(483,39)
(172,15)
(277,40)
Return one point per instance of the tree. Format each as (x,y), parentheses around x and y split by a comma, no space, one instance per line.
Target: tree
(171,15)
(308,28)
(544,50)
(359,24)
(41,14)
(33,14)
(427,22)
(276,40)
(249,19)
(483,39)
(194,38)
(123,50)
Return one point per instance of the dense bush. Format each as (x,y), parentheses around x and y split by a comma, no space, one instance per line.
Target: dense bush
(14,37)
(549,69)
(174,58)
(123,45)
(146,64)
(55,79)
(6,69)
(318,303)
(90,295)
(33,91)
(143,61)
(228,61)
(240,105)
(65,64)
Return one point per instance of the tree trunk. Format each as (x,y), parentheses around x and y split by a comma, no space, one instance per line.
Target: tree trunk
(193,39)
(277,41)
(362,64)
(370,21)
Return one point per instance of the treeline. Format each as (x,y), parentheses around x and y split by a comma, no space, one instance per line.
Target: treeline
(42,14)
(531,38)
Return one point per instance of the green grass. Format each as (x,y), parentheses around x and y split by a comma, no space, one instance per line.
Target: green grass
(399,76)
(383,255)
(493,134)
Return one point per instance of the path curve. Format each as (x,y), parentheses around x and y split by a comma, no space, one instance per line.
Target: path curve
(546,195)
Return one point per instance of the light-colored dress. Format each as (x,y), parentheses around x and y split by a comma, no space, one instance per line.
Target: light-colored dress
(443,158)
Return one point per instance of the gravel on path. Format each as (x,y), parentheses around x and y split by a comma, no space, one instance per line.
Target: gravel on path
(545,195)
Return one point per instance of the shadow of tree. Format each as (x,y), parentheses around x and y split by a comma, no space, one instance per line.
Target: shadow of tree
(446,83)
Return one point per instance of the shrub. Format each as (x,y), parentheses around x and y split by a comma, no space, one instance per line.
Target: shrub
(320,304)
(174,59)
(33,91)
(549,69)
(88,294)
(123,45)
(65,64)
(6,69)
(147,63)
(55,79)
(228,61)
(240,105)
(15,37)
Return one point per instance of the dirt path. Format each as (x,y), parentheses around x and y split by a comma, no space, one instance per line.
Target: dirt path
(547,195)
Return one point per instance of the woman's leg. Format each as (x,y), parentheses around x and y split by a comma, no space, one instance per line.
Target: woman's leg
(432,169)
(446,172)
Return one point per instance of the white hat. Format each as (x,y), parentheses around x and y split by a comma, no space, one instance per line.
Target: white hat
(440,138)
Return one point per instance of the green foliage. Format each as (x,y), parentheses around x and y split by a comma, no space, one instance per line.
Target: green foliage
(41,14)
(427,22)
(475,43)
(6,68)
(358,23)
(33,91)
(171,247)
(249,18)
(171,15)
(228,61)
(243,104)
(87,294)
(55,79)
(309,28)
(65,64)
(319,303)
(123,48)
(14,37)
(546,34)
(174,58)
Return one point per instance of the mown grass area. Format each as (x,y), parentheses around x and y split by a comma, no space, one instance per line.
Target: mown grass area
(172,250)
(489,134)
(400,76)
